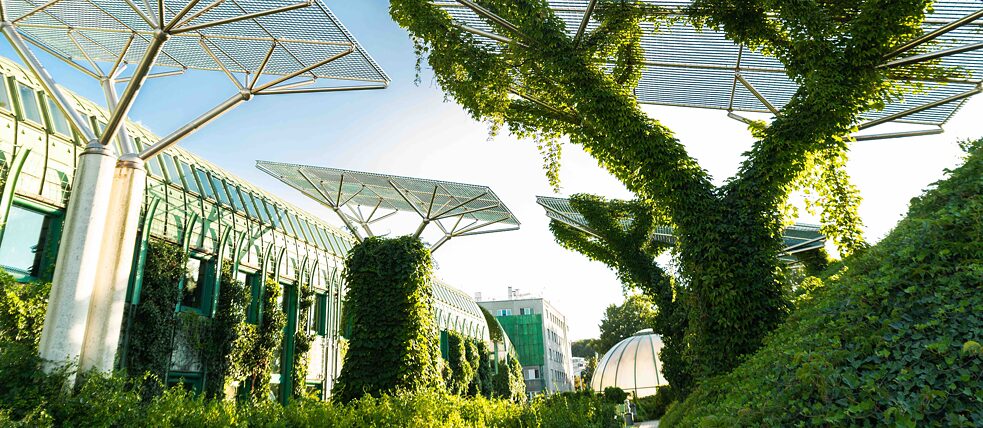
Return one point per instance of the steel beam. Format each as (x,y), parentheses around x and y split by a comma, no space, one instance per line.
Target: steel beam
(931,55)
(195,125)
(49,85)
(923,107)
(584,22)
(253,15)
(487,14)
(927,37)
(756,94)
(890,135)
(133,87)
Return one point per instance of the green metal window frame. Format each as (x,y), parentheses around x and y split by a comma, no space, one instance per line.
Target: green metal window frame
(28,96)
(171,169)
(187,174)
(203,184)
(255,284)
(191,381)
(205,283)
(59,123)
(321,314)
(48,241)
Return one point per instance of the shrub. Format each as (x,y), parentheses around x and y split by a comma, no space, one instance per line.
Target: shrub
(891,339)
(655,406)
(613,394)
(219,356)
(22,309)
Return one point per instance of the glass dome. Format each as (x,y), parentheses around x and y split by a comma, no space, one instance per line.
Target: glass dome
(632,365)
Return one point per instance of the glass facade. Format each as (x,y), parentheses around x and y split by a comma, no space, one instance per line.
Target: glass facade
(24,240)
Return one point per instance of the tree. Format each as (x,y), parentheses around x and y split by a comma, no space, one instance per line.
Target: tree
(728,237)
(584,348)
(622,321)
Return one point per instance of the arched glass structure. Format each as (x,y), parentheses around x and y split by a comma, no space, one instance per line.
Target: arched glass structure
(632,365)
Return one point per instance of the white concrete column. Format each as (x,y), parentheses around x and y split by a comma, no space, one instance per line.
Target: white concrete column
(78,258)
(116,263)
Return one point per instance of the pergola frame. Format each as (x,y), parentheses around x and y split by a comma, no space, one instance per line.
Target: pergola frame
(890,61)
(455,212)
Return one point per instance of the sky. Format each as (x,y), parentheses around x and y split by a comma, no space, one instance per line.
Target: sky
(411,130)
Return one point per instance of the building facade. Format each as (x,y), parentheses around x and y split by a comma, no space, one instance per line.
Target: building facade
(212,214)
(539,335)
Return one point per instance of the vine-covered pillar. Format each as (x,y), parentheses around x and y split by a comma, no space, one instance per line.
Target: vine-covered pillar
(393,340)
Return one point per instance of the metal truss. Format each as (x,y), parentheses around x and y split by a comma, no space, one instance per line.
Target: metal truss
(697,78)
(362,199)
(265,48)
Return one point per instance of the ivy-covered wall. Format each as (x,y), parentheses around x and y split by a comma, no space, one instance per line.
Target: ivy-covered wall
(393,341)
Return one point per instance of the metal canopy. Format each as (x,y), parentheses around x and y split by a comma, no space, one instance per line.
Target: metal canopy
(457,209)
(798,237)
(298,36)
(703,69)
(264,47)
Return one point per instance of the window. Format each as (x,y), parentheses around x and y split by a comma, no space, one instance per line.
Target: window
(532,374)
(504,312)
(196,291)
(247,201)
(206,189)
(251,280)
(30,109)
(23,246)
(220,190)
(169,166)
(5,96)
(188,177)
(59,123)
(525,311)
(319,321)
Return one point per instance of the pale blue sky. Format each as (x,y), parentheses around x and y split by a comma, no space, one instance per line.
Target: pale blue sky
(410,130)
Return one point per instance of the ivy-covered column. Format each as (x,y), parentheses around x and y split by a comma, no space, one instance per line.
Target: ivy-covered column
(393,342)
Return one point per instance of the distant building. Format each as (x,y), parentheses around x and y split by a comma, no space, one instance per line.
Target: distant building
(579,364)
(539,334)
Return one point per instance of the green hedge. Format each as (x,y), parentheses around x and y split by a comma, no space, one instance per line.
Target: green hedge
(22,309)
(892,338)
(393,343)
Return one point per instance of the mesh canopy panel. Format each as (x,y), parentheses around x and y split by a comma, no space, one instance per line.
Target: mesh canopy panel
(100,30)
(695,68)
(339,187)
(798,237)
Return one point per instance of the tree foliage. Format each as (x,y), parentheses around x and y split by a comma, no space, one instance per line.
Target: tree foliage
(584,348)
(622,321)
(22,310)
(303,340)
(393,342)
(728,236)
(889,338)
(508,382)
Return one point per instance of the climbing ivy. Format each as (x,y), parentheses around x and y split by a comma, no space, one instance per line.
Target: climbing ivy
(623,237)
(728,236)
(22,310)
(303,339)
(259,343)
(219,357)
(393,341)
(154,322)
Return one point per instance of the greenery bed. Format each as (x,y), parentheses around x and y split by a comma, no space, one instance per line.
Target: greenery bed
(891,337)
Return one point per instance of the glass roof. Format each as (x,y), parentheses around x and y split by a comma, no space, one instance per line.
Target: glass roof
(693,68)
(430,198)
(300,34)
(798,237)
